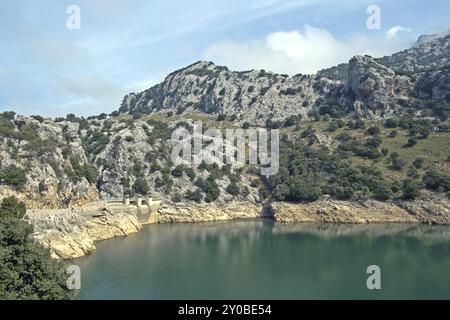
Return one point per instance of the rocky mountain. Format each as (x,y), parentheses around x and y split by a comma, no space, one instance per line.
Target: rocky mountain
(72,162)
(430,37)
(69,162)
(370,87)
(252,96)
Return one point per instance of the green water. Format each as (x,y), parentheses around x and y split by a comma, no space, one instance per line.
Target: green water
(264,260)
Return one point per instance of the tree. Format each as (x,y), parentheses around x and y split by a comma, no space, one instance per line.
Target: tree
(436,181)
(291,121)
(411,189)
(301,190)
(210,188)
(177,171)
(12,208)
(13,176)
(374,130)
(194,196)
(382,192)
(398,164)
(393,134)
(333,126)
(418,163)
(233,189)
(391,123)
(411,142)
(221,117)
(141,186)
(27,272)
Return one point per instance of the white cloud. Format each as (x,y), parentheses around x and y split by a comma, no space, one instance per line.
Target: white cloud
(295,52)
(142,85)
(392,32)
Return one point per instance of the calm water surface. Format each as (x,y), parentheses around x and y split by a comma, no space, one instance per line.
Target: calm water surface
(264,260)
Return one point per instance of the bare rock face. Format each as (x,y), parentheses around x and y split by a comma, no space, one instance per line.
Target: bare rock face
(373,88)
(340,212)
(378,89)
(252,96)
(430,52)
(193,212)
(436,211)
(71,234)
(50,154)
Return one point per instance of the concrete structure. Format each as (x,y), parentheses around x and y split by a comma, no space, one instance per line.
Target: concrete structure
(146,211)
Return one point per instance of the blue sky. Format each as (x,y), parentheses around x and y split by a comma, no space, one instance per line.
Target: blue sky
(126,46)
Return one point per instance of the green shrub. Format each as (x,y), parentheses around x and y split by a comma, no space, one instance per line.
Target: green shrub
(391,123)
(301,190)
(196,196)
(27,271)
(382,192)
(292,121)
(233,189)
(178,171)
(79,171)
(160,129)
(333,126)
(418,163)
(190,173)
(11,208)
(411,189)
(210,188)
(411,143)
(398,164)
(140,186)
(393,134)
(221,117)
(8,115)
(436,181)
(374,130)
(177,197)
(14,176)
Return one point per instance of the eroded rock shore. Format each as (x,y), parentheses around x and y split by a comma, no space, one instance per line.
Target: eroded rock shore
(72,233)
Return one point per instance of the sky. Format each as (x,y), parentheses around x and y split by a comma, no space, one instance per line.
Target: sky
(50,68)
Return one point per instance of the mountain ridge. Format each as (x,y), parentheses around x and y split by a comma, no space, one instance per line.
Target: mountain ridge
(255,96)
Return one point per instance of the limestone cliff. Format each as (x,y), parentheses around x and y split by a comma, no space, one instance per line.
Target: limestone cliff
(70,233)
(331,211)
(193,212)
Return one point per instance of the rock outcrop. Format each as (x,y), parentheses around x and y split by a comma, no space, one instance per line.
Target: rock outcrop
(253,96)
(373,88)
(193,212)
(379,90)
(332,211)
(70,233)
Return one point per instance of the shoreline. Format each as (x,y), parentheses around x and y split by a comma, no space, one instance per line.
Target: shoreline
(72,233)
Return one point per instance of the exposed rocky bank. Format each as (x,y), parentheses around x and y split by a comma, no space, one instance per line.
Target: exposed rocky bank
(72,233)
(331,211)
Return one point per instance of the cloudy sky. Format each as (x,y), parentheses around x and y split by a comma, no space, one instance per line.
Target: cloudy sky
(126,46)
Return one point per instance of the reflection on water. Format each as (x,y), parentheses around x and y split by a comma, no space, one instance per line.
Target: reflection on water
(263,260)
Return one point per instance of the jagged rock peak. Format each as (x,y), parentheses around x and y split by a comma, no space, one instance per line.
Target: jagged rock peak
(428,38)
